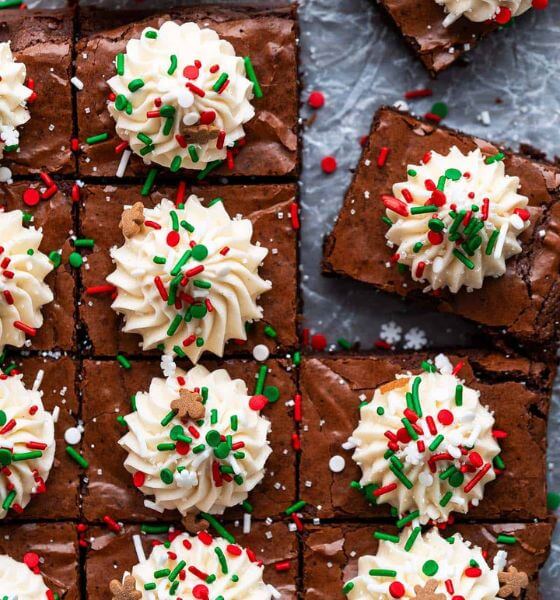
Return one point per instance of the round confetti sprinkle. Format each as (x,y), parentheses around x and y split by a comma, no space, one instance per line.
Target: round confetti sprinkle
(261,352)
(139,478)
(258,402)
(31,197)
(72,436)
(75,259)
(445,417)
(199,252)
(475,459)
(5,457)
(430,568)
(440,109)
(456,480)
(5,174)
(396,589)
(213,438)
(328,164)
(200,592)
(337,463)
(173,238)
(318,342)
(316,99)
(272,393)
(3,418)
(540,4)
(503,15)
(166,476)
(31,559)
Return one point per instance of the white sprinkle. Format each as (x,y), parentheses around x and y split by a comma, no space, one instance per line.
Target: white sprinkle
(501,240)
(153,506)
(55,413)
(517,222)
(139,548)
(261,352)
(5,174)
(124,162)
(72,436)
(485,117)
(77,83)
(246,523)
(38,380)
(443,364)
(337,463)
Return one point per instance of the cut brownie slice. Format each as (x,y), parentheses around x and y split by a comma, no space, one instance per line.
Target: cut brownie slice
(111,555)
(516,389)
(421,23)
(268,207)
(55,544)
(54,216)
(523,303)
(42,40)
(331,552)
(107,389)
(269,37)
(57,380)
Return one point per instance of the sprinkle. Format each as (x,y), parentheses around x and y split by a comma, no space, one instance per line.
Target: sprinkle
(412,538)
(401,477)
(135,85)
(386,537)
(394,204)
(78,458)
(459,395)
(382,156)
(446,498)
(209,167)
(464,259)
(149,182)
(257,90)
(296,507)
(470,485)
(120,64)
(316,99)
(408,519)
(193,153)
(77,83)
(75,260)
(220,82)
(506,539)
(123,361)
(382,573)
(96,139)
(419,93)
(220,529)
(328,164)
(27,329)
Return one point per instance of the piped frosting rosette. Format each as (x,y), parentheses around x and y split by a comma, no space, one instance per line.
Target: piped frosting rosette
(23,268)
(14,95)
(27,444)
(181,96)
(429,567)
(484,10)
(187,277)
(456,219)
(199,566)
(197,441)
(18,582)
(425,445)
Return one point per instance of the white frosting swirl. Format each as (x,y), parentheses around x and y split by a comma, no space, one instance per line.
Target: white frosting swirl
(452,562)
(224,292)
(456,439)
(13,98)
(22,271)
(18,582)
(235,573)
(206,474)
(472,227)
(482,10)
(27,444)
(179,67)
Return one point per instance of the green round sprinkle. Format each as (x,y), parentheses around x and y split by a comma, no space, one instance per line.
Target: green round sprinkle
(436,225)
(453,174)
(456,480)
(176,432)
(151,34)
(213,438)
(166,476)
(167,111)
(440,109)
(199,252)
(3,418)
(430,568)
(198,311)
(75,259)
(412,173)
(221,450)
(272,393)
(5,457)
(31,252)
(380,411)
(55,258)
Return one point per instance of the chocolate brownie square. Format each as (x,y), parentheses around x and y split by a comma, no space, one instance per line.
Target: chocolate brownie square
(110,555)
(523,304)
(267,206)
(58,384)
(55,544)
(55,216)
(268,36)
(517,392)
(107,389)
(331,552)
(42,40)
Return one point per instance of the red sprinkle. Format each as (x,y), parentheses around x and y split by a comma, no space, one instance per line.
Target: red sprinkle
(328,164)
(503,15)
(396,589)
(420,93)
(75,194)
(385,489)
(207,117)
(294,215)
(282,566)
(382,156)
(258,402)
(31,559)
(458,367)
(138,479)
(318,342)
(120,148)
(31,196)
(27,329)
(316,99)
(221,139)
(100,289)
(395,205)
(540,4)
(173,238)
(49,192)
(112,524)
(297,408)
(445,417)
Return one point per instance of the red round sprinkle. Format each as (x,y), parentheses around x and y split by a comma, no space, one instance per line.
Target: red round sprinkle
(438,198)
(316,99)
(207,117)
(475,459)
(540,4)
(139,478)
(191,72)
(396,589)
(258,402)
(31,196)
(458,598)
(173,238)
(403,436)
(435,237)
(318,342)
(182,448)
(200,592)
(31,559)
(328,164)
(503,15)
(445,417)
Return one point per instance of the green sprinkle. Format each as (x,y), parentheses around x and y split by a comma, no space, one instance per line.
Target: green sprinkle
(160,573)
(222,560)
(166,476)
(135,85)
(74,455)
(8,500)
(440,109)
(249,69)
(448,472)
(168,125)
(506,539)
(436,225)
(176,164)
(387,537)
(492,242)
(412,538)
(75,259)
(123,361)
(411,173)
(382,573)
(441,183)
(261,378)
(553,500)
(174,325)
(166,447)
(387,221)
(272,393)
(120,64)
(145,139)
(55,258)
(5,457)
(416,396)
(178,568)
(453,174)
(27,455)
(151,34)
(199,252)
(401,477)
(247,506)
(296,507)
(220,82)
(147,149)
(84,243)
(499,462)
(121,102)
(154,529)
(220,529)
(173,65)
(408,519)
(159,260)
(420,210)
(495,158)
(348,587)
(417,247)
(408,426)
(446,498)
(428,366)
(215,201)
(96,139)
(121,421)
(202,284)
(380,411)
(297,358)
(430,568)
(150,586)
(193,153)
(148,184)
(464,259)
(436,442)
(168,417)
(208,169)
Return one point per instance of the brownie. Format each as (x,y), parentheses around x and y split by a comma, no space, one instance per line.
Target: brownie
(61,500)
(268,36)
(55,544)
(268,207)
(107,389)
(55,216)
(331,552)
(42,40)
(332,388)
(523,304)
(110,555)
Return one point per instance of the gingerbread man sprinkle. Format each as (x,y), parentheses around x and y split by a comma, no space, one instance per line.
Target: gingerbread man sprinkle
(514,582)
(188,405)
(132,220)
(125,590)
